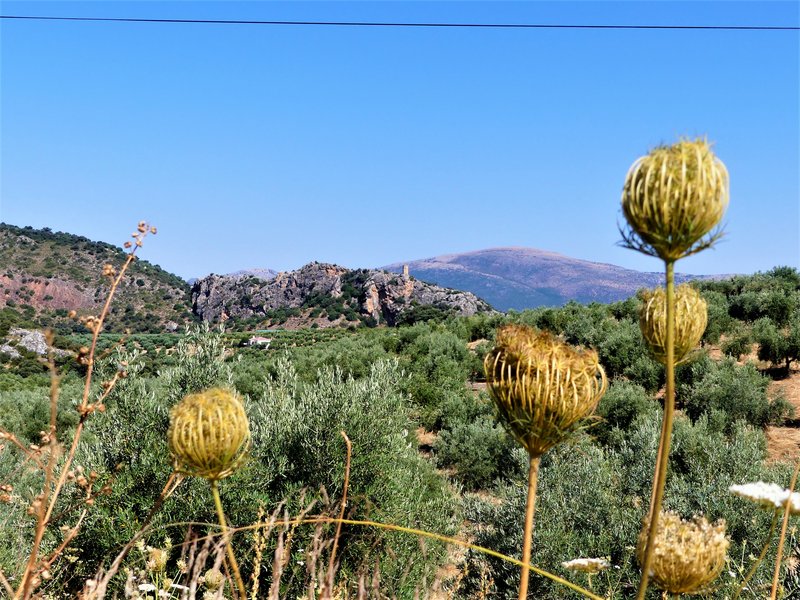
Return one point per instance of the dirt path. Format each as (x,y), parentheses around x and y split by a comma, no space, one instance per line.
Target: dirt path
(783,443)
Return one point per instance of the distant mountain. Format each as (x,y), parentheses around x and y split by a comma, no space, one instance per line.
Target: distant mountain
(519,278)
(265,274)
(326,295)
(45,274)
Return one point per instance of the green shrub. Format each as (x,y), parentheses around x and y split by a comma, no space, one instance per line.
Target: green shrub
(739,343)
(297,444)
(736,392)
(620,407)
(480,451)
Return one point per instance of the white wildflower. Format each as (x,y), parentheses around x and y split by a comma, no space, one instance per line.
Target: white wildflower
(768,494)
(587,565)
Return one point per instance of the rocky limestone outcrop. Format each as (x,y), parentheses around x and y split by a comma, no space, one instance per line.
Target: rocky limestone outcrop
(32,341)
(388,296)
(220,297)
(381,295)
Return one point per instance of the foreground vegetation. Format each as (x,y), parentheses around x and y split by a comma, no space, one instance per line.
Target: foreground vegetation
(383,385)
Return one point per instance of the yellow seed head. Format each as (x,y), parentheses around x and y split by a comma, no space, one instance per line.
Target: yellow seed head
(687,555)
(541,386)
(213,579)
(209,434)
(691,318)
(672,198)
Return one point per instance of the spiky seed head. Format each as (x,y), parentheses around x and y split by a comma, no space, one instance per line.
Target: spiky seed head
(209,434)
(541,386)
(691,318)
(687,555)
(672,198)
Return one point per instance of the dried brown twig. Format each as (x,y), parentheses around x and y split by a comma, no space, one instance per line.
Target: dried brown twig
(55,477)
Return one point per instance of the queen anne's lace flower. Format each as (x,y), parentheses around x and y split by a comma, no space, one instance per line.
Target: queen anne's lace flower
(687,555)
(587,565)
(770,495)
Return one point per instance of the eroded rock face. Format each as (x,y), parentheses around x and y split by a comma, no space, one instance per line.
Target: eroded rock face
(32,341)
(389,295)
(378,294)
(221,296)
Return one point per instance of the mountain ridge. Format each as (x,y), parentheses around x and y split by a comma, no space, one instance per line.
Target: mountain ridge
(519,277)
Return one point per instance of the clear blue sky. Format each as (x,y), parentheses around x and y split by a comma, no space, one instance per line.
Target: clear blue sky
(271,146)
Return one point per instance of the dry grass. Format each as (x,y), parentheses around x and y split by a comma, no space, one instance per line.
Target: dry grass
(783,443)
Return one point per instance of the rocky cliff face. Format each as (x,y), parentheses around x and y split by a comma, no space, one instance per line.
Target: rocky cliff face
(318,287)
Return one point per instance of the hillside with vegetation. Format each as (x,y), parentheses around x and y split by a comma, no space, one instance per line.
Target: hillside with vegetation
(46,274)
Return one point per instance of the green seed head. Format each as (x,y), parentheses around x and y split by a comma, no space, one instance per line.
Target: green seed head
(209,434)
(672,198)
(541,386)
(687,555)
(691,318)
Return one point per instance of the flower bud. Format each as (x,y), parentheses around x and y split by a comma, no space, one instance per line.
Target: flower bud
(542,387)
(687,555)
(672,198)
(691,318)
(209,434)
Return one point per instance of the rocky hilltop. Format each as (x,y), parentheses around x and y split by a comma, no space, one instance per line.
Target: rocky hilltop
(327,293)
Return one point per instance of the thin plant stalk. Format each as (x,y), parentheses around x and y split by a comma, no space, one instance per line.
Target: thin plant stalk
(662,460)
(328,589)
(527,536)
(228,548)
(786,512)
(52,487)
(761,556)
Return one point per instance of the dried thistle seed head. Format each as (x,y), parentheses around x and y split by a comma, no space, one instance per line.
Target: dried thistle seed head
(672,198)
(691,318)
(209,434)
(541,386)
(687,555)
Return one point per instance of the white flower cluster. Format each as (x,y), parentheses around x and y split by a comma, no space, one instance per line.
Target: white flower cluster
(770,495)
(587,565)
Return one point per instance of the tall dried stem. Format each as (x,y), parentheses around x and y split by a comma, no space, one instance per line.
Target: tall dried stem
(228,548)
(45,502)
(662,460)
(533,479)
(786,512)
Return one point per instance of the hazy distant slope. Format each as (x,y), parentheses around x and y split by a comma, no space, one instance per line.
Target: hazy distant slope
(519,278)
